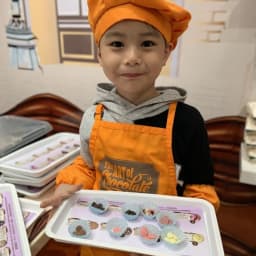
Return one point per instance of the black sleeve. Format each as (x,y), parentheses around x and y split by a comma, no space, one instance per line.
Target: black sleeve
(191,146)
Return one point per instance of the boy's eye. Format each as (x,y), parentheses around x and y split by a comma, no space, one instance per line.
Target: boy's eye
(117,44)
(148,43)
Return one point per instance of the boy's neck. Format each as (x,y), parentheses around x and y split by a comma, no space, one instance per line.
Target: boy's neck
(139,99)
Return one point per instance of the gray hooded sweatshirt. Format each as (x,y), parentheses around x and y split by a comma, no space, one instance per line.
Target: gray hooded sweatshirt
(120,110)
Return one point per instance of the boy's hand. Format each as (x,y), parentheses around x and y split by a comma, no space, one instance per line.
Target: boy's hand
(62,192)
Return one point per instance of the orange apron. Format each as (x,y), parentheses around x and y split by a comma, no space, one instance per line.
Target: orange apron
(134,158)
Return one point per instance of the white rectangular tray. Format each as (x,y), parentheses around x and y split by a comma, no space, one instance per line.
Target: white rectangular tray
(42,156)
(13,231)
(195,217)
(36,181)
(33,192)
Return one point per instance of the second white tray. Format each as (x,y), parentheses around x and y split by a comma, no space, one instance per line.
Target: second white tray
(40,157)
(36,181)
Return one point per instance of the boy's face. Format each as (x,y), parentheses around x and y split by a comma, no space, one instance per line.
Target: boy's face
(132,55)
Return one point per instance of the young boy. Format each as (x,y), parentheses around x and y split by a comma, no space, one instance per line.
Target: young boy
(134,125)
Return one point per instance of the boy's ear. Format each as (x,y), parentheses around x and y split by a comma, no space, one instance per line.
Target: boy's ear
(99,55)
(171,46)
(168,50)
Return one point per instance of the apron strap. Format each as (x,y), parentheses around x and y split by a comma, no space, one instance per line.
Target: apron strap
(169,132)
(170,118)
(98,112)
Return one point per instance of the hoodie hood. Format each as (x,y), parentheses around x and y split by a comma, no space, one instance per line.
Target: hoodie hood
(121,110)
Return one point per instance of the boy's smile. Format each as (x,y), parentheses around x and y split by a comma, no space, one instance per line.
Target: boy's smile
(131,75)
(132,54)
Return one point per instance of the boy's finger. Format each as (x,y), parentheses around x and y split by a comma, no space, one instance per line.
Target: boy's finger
(45,203)
(77,187)
(53,201)
(56,200)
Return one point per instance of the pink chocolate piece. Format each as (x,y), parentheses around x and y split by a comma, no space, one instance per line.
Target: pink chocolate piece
(151,236)
(144,232)
(116,229)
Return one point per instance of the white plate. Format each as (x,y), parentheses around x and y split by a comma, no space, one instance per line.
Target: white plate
(195,217)
(250,139)
(250,125)
(251,108)
(31,211)
(42,156)
(247,167)
(13,231)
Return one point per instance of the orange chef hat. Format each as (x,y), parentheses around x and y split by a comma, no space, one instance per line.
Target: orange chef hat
(168,18)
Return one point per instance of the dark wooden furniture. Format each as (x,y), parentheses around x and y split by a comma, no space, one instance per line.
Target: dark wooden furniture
(237,213)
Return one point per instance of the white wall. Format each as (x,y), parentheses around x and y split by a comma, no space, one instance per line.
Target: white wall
(208,71)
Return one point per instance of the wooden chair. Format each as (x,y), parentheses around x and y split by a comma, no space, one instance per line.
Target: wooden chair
(62,114)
